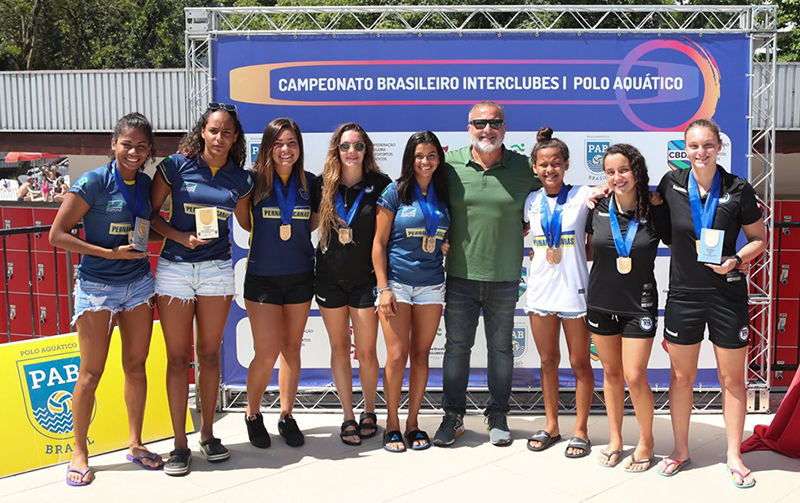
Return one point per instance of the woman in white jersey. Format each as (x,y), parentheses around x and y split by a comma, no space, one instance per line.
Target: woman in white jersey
(556,295)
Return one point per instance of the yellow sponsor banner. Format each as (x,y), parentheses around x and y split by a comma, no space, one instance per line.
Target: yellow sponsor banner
(39,378)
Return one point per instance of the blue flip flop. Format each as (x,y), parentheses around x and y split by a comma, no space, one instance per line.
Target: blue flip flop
(138,460)
(81,482)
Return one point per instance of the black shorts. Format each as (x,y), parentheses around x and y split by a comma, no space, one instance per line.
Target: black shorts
(334,294)
(725,312)
(280,290)
(631,327)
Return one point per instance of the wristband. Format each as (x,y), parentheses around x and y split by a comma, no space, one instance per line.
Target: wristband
(384,289)
(738,259)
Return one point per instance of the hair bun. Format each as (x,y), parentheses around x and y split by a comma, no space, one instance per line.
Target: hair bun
(544,134)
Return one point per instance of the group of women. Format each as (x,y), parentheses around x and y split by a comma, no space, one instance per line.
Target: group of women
(380,259)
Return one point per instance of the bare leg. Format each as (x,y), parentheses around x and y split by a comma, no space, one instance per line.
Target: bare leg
(545,334)
(176,321)
(365,331)
(294,322)
(578,345)
(212,314)
(337,324)
(136,328)
(266,323)
(94,337)
(425,323)
(730,365)
(683,363)
(635,356)
(609,348)
(396,332)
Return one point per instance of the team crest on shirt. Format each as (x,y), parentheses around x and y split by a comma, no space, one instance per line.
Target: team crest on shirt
(189,187)
(408,212)
(303,193)
(234,194)
(369,190)
(114,206)
(646,323)
(744,333)
(519,342)
(725,198)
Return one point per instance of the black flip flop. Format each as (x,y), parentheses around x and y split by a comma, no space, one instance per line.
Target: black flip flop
(418,436)
(544,438)
(371,427)
(391,437)
(350,429)
(578,443)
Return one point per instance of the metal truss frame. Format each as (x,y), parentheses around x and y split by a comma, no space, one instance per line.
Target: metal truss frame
(759,22)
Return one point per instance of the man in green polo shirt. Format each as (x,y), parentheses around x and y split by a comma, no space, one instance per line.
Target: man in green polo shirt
(487,186)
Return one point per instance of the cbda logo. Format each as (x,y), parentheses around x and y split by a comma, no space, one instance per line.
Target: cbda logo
(519,341)
(676,155)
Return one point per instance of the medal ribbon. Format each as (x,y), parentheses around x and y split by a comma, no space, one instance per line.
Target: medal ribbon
(703,214)
(623,244)
(285,203)
(551,224)
(429,205)
(348,216)
(134,211)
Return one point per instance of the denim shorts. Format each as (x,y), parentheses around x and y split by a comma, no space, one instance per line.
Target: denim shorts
(91,296)
(567,315)
(189,280)
(416,295)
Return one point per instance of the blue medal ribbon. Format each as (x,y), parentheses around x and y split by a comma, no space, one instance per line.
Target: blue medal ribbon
(551,224)
(623,244)
(703,214)
(134,211)
(285,203)
(348,216)
(430,211)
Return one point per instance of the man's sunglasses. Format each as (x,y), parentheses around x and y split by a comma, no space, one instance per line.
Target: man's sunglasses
(359,146)
(481,123)
(222,106)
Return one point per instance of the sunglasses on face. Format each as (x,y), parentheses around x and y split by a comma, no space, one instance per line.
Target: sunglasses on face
(359,146)
(481,123)
(222,106)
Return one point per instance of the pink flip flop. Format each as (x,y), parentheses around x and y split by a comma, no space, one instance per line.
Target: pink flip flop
(734,472)
(679,465)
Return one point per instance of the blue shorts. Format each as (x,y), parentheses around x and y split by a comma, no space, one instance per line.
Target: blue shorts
(416,295)
(189,280)
(91,296)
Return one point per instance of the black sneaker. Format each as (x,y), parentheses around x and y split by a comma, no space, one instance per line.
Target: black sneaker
(452,427)
(499,434)
(288,429)
(257,432)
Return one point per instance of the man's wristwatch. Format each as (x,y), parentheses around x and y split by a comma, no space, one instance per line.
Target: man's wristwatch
(738,259)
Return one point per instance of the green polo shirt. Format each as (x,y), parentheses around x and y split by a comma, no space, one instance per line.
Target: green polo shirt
(486,208)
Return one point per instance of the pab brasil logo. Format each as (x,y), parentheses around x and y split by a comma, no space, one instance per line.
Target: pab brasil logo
(594,155)
(519,342)
(676,154)
(47,386)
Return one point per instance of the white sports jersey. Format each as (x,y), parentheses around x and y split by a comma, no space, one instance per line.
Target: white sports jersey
(559,287)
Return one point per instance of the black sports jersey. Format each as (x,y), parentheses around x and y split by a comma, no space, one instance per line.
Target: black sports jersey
(351,262)
(737,207)
(635,293)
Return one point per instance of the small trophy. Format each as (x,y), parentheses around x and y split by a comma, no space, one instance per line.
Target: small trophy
(206,221)
(141,231)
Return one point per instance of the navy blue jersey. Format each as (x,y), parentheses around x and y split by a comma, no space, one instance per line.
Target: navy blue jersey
(107,224)
(270,255)
(408,263)
(193,186)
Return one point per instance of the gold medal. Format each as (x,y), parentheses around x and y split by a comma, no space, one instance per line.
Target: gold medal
(428,244)
(345,235)
(557,255)
(286,232)
(624,265)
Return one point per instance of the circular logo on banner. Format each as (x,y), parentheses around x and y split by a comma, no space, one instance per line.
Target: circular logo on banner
(744,333)
(646,323)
